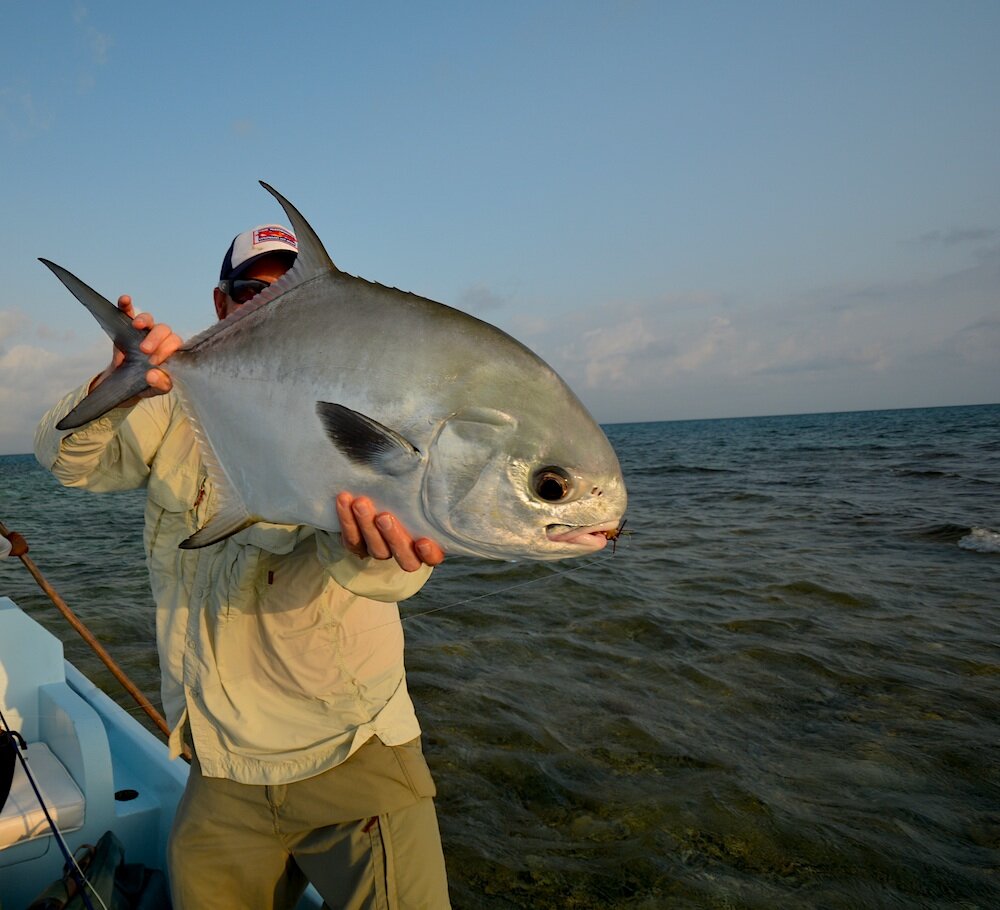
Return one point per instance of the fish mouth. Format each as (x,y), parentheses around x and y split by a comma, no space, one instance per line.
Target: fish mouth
(591,537)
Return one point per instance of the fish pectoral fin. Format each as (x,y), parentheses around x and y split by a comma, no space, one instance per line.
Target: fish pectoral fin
(224,523)
(365,441)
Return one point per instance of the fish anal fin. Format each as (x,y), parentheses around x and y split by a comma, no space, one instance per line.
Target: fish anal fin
(230,515)
(367,442)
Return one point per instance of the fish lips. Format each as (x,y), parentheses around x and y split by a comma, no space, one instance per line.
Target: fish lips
(591,537)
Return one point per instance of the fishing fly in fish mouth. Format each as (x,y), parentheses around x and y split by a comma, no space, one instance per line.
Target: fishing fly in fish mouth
(506,464)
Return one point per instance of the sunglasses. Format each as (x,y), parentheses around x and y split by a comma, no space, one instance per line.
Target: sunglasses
(242,290)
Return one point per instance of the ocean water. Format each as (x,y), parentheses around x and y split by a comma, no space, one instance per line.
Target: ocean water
(781,690)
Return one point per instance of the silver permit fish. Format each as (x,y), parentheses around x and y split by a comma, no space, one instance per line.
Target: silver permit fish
(327,382)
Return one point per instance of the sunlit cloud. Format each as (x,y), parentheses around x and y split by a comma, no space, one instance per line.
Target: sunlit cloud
(12,322)
(34,376)
(631,358)
(606,355)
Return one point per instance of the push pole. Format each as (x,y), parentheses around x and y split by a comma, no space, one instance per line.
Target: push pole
(92,641)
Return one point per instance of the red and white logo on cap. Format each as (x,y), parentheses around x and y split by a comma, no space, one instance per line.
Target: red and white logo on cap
(273,233)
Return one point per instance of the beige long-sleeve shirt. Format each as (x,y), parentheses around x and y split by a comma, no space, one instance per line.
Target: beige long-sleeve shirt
(280,650)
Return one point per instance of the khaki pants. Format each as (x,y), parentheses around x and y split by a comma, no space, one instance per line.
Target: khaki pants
(247,847)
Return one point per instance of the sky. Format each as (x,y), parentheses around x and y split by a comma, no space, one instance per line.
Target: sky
(689,209)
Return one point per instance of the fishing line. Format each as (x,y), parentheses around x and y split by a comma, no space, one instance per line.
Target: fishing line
(519,584)
(512,587)
(136,709)
(458,603)
(468,600)
(72,867)
(399,619)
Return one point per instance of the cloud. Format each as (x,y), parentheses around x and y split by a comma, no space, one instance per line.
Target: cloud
(717,336)
(606,355)
(97,42)
(639,347)
(11,323)
(33,377)
(956,236)
(100,43)
(934,340)
(975,344)
(26,111)
(480,299)
(847,357)
(21,116)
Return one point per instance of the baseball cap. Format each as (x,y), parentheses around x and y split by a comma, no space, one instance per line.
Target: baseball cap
(249,246)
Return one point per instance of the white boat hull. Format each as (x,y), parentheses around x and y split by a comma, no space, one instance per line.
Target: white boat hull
(129,784)
(104,749)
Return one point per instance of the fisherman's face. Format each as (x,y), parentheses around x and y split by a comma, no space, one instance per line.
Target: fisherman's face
(269,269)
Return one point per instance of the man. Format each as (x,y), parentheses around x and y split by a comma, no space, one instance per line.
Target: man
(281,655)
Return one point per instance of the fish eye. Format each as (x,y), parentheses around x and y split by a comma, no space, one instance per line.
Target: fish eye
(551,484)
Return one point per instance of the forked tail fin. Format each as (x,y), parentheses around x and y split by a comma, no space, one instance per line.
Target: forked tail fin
(125,382)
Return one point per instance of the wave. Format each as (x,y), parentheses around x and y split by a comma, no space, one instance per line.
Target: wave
(663,470)
(949,533)
(924,473)
(981,540)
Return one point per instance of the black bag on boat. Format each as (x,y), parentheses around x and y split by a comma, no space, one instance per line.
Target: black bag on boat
(121,885)
(8,759)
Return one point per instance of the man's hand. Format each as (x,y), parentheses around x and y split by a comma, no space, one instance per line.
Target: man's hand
(18,545)
(381,536)
(159,344)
